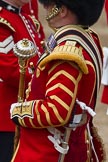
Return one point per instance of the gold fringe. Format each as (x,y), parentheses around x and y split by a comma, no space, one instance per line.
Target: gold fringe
(100,141)
(67,52)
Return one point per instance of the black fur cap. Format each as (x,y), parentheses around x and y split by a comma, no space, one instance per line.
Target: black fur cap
(87,11)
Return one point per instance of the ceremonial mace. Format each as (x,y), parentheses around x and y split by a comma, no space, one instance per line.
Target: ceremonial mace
(24,50)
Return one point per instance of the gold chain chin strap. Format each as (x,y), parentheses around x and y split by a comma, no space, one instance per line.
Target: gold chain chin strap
(54,12)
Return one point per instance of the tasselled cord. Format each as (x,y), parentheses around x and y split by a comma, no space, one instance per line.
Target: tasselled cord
(92,143)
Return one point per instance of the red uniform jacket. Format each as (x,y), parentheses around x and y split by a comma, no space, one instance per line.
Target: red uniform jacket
(104,98)
(12,29)
(106,8)
(65,74)
(31,8)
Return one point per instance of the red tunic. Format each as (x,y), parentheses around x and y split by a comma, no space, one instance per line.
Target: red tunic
(12,29)
(61,77)
(31,8)
(104,98)
(106,8)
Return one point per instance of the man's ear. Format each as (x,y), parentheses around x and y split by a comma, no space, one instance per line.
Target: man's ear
(63,11)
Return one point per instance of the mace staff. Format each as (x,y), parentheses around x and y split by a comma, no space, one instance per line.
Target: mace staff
(24,50)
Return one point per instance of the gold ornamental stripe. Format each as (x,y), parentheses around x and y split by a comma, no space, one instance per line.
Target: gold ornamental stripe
(55,65)
(31,122)
(38,114)
(47,115)
(61,62)
(66,28)
(89,63)
(13,158)
(21,121)
(61,86)
(93,90)
(61,102)
(74,97)
(66,74)
(55,110)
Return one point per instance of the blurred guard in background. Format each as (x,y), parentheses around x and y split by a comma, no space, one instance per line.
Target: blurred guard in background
(31,9)
(14,26)
(104,98)
(104,81)
(61,98)
(106,8)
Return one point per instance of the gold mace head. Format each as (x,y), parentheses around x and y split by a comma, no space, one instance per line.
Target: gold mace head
(25,43)
(24,49)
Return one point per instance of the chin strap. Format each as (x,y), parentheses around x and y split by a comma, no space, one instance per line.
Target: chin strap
(54,12)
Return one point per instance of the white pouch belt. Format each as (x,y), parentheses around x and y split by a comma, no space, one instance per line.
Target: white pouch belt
(57,140)
(57,146)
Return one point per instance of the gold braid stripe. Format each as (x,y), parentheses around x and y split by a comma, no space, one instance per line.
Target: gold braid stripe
(74,95)
(55,65)
(63,73)
(13,158)
(55,110)
(61,102)
(47,115)
(61,86)
(31,122)
(89,63)
(67,27)
(38,114)
(21,121)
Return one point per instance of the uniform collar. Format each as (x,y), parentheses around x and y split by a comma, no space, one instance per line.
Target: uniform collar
(9,7)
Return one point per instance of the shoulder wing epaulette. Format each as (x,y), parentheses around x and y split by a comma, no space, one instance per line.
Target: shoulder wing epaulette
(67,52)
(5,22)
